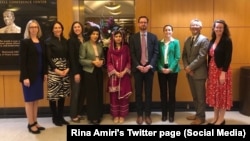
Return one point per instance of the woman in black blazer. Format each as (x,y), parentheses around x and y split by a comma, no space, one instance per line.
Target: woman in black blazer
(76,39)
(32,72)
(219,84)
(58,68)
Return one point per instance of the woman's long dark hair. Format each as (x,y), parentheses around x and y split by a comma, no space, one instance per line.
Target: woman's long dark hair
(72,34)
(225,33)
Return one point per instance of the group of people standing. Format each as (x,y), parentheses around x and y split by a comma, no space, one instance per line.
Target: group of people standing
(44,60)
(74,68)
(206,63)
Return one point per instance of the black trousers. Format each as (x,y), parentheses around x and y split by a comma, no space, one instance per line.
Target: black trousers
(143,83)
(167,83)
(93,86)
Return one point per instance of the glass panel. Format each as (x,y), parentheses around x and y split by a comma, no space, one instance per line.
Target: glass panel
(109,15)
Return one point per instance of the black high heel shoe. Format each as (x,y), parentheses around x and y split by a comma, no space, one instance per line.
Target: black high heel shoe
(32,131)
(223,122)
(40,127)
(211,123)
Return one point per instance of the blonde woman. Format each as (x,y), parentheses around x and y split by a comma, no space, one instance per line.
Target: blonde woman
(32,72)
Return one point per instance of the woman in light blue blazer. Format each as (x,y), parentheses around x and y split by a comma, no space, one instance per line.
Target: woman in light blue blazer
(168,68)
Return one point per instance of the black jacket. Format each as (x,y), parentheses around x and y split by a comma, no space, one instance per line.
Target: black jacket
(29,60)
(75,66)
(222,53)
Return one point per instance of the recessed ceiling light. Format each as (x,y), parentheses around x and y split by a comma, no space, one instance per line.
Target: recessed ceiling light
(112,6)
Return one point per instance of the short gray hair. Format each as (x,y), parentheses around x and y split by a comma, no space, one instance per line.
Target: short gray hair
(197,21)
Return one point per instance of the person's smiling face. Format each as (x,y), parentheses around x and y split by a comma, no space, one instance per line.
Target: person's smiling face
(195,27)
(57,30)
(219,29)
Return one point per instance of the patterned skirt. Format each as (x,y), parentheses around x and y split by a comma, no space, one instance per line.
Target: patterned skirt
(58,87)
(219,95)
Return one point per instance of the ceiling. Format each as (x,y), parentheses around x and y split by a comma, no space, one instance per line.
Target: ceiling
(97,9)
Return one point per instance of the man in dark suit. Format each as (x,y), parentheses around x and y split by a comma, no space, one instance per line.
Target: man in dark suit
(194,57)
(144,53)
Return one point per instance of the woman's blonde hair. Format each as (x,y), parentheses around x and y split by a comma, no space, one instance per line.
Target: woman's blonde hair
(27,33)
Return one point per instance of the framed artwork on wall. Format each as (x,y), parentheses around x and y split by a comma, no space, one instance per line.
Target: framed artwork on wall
(14,15)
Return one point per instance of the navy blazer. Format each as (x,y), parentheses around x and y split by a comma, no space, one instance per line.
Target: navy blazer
(135,50)
(29,60)
(222,53)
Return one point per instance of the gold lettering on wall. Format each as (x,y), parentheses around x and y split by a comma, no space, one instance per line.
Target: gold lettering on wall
(3,2)
(9,44)
(24,2)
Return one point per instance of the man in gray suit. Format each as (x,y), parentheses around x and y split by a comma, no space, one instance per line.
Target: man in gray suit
(194,57)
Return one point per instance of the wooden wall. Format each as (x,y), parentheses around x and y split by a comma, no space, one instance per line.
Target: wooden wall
(179,13)
(160,12)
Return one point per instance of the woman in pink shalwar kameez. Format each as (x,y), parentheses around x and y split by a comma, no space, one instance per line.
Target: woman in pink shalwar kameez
(119,77)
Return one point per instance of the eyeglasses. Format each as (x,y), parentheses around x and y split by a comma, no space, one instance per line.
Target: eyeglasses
(143,22)
(33,27)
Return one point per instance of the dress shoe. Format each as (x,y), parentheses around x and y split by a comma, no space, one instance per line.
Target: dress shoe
(211,123)
(139,120)
(56,121)
(222,123)
(63,121)
(33,131)
(148,120)
(164,118)
(171,119)
(39,127)
(95,122)
(193,117)
(197,121)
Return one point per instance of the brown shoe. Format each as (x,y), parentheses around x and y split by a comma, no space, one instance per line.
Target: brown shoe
(148,120)
(193,117)
(139,120)
(197,121)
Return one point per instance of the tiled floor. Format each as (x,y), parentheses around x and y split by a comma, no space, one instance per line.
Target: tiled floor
(15,129)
